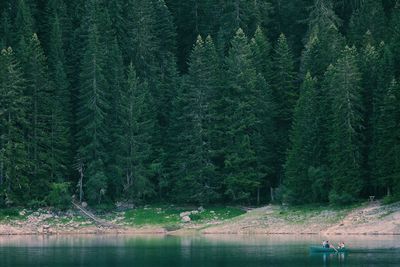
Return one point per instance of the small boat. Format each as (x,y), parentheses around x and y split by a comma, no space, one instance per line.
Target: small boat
(320,249)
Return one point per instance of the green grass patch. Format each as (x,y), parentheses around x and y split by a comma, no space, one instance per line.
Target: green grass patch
(8,214)
(169,215)
(153,215)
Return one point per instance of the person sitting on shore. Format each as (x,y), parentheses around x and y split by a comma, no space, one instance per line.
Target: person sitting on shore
(341,245)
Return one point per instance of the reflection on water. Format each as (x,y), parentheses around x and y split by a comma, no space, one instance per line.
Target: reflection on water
(194,251)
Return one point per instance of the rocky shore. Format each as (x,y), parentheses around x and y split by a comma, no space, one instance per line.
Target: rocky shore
(368,219)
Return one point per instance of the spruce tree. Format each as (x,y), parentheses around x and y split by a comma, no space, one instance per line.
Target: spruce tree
(138,122)
(369,16)
(368,62)
(5,30)
(197,179)
(388,169)
(394,37)
(324,40)
(38,91)
(285,95)
(384,75)
(346,129)
(116,85)
(61,117)
(14,161)
(262,54)
(24,24)
(242,174)
(93,107)
(303,156)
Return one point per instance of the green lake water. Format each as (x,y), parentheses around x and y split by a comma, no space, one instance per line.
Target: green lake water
(205,251)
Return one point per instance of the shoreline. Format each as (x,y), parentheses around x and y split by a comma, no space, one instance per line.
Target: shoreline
(366,220)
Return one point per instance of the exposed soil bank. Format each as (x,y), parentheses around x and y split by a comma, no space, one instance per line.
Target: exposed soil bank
(369,219)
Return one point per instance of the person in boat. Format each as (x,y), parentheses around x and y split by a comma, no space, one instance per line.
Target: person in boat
(326,244)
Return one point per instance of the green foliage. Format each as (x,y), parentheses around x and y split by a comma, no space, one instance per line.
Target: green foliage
(303,157)
(96,185)
(242,173)
(138,122)
(7,214)
(13,123)
(368,17)
(96,87)
(346,127)
(388,160)
(285,95)
(59,196)
(196,175)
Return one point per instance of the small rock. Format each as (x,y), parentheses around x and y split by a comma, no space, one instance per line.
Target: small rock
(194,212)
(184,214)
(22,213)
(84,204)
(186,219)
(201,209)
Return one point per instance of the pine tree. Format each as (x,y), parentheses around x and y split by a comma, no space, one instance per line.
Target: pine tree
(140,43)
(368,62)
(24,23)
(38,90)
(389,149)
(324,40)
(262,54)
(303,156)
(384,75)
(5,30)
(117,83)
(394,37)
(138,124)
(236,14)
(55,12)
(61,117)
(242,175)
(369,16)
(346,129)
(285,95)
(14,161)
(265,139)
(197,180)
(93,107)
(290,18)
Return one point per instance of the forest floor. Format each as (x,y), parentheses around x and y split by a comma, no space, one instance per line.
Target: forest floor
(365,219)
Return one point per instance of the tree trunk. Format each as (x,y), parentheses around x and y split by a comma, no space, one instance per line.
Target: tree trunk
(272,194)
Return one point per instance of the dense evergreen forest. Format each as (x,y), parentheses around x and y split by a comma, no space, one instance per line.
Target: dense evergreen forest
(199,101)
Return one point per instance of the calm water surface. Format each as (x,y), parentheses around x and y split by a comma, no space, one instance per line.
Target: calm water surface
(207,251)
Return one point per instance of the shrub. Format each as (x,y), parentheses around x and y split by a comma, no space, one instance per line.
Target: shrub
(341,199)
(10,212)
(59,195)
(390,199)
